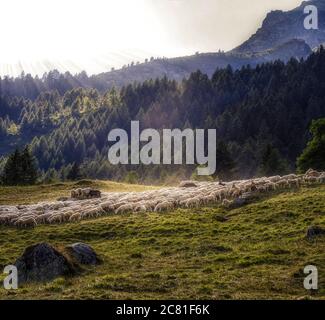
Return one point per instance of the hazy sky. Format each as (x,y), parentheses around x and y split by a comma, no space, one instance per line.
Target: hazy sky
(38,35)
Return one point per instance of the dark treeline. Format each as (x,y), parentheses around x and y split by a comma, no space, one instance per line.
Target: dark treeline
(262,116)
(30,87)
(19,169)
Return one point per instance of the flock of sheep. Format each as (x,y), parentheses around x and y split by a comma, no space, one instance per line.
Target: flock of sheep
(88,203)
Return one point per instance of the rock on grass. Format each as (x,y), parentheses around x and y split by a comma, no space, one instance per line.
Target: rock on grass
(83,253)
(42,262)
(314,232)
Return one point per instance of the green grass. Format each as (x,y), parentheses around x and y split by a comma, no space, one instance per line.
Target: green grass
(258,253)
(44,192)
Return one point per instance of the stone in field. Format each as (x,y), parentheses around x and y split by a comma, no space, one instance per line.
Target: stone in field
(314,232)
(42,262)
(83,253)
(86,193)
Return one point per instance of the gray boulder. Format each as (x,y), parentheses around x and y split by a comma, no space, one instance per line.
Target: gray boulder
(42,262)
(87,193)
(314,232)
(238,202)
(83,253)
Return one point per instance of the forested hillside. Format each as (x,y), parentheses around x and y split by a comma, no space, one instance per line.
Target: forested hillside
(259,113)
(174,69)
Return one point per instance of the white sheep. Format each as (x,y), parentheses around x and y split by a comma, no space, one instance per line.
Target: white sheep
(140,208)
(312,173)
(26,222)
(282,184)
(75,217)
(321,179)
(294,183)
(43,218)
(226,203)
(125,208)
(108,206)
(192,202)
(310,179)
(164,206)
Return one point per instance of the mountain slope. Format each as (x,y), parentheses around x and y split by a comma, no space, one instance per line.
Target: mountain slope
(280,27)
(178,68)
(258,251)
(281,36)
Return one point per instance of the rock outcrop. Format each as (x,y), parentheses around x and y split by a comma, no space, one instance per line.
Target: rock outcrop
(83,254)
(42,262)
(314,232)
(87,193)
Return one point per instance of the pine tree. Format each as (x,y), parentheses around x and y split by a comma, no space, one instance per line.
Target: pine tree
(28,168)
(272,163)
(74,174)
(225,165)
(12,170)
(20,169)
(314,154)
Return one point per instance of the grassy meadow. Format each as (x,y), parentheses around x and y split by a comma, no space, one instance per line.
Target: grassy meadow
(48,192)
(254,252)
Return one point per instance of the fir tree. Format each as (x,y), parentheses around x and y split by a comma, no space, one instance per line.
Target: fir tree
(272,163)
(74,174)
(12,169)
(314,154)
(225,165)
(28,168)
(20,169)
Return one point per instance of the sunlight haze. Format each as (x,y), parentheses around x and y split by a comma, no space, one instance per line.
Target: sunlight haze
(96,35)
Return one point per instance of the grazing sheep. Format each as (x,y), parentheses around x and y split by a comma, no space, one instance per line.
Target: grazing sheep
(209,199)
(140,208)
(57,218)
(236,192)
(274,179)
(92,213)
(125,208)
(312,173)
(7,218)
(107,206)
(226,203)
(289,177)
(56,206)
(119,204)
(282,184)
(262,188)
(250,187)
(311,179)
(294,183)
(321,179)
(164,206)
(188,184)
(85,206)
(28,222)
(43,218)
(75,217)
(192,202)
(271,186)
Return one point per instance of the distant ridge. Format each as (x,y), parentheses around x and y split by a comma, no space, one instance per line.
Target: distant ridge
(281,37)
